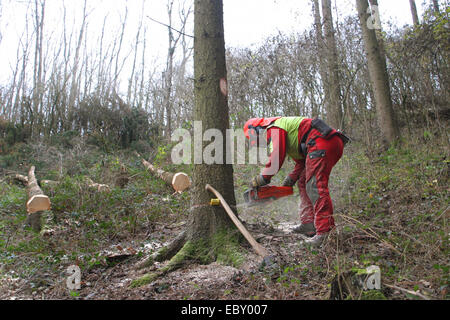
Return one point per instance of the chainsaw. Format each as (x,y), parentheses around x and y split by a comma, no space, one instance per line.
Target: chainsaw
(265,195)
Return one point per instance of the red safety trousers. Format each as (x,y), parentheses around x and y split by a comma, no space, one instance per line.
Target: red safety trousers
(316,206)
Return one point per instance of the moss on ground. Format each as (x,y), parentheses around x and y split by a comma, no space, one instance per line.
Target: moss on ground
(224,248)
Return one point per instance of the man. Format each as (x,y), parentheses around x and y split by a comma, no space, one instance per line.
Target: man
(315,148)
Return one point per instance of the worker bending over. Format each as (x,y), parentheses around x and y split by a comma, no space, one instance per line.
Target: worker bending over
(316,148)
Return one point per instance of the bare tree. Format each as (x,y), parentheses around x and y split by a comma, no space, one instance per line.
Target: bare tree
(415,16)
(334,105)
(168,73)
(1,13)
(39,14)
(74,88)
(133,69)
(379,77)
(320,51)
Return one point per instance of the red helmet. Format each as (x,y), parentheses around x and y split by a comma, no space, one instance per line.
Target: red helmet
(254,126)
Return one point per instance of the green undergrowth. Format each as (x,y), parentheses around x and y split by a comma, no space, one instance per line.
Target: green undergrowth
(84,221)
(399,201)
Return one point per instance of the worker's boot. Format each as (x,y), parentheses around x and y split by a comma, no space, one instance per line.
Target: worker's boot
(307,230)
(316,241)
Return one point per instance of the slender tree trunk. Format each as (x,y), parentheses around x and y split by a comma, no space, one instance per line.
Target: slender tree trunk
(168,74)
(415,16)
(334,105)
(320,51)
(38,61)
(379,77)
(74,88)
(132,77)
(116,68)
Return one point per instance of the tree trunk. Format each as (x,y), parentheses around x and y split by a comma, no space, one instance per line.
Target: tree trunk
(320,52)
(379,34)
(210,232)
(379,78)
(415,16)
(74,88)
(334,105)
(211,108)
(38,65)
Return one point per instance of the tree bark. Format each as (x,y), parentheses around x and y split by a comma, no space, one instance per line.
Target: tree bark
(320,52)
(415,16)
(211,108)
(334,105)
(379,34)
(379,78)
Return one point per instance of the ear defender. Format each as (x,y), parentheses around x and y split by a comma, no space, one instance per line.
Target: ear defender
(253,135)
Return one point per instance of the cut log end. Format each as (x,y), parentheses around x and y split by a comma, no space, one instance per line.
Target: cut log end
(38,203)
(180,182)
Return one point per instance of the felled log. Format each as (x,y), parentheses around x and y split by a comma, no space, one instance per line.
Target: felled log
(37,200)
(51,183)
(179,181)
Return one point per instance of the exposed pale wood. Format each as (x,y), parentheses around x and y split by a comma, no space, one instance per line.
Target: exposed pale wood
(179,181)
(98,186)
(37,200)
(259,249)
(21,178)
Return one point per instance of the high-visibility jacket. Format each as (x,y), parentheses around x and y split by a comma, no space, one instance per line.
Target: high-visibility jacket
(291,125)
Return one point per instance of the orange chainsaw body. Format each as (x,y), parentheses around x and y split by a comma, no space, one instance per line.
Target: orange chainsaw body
(263,195)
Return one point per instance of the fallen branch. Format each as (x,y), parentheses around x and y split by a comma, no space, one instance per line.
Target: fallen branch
(417,294)
(179,181)
(372,233)
(97,186)
(52,183)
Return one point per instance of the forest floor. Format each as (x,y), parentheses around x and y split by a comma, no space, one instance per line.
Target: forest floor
(391,211)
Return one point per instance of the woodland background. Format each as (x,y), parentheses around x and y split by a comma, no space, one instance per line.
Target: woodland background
(65,111)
